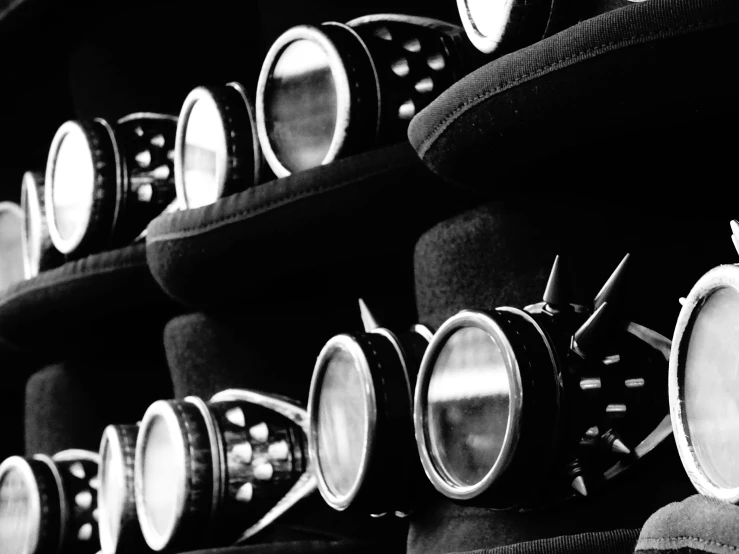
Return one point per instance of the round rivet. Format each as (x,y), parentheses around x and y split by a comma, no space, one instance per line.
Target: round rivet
(243,452)
(407,110)
(158,141)
(83,499)
(264,472)
(436,62)
(145,192)
(161,172)
(144,159)
(383,33)
(236,416)
(412,45)
(245,492)
(78,470)
(425,85)
(400,67)
(259,432)
(85,532)
(279,450)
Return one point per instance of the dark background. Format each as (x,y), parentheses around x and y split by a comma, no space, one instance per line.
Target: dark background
(62,60)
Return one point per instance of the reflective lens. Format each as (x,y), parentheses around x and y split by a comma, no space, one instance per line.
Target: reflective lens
(113,495)
(163,479)
(73,181)
(18,526)
(205,155)
(468,401)
(11,252)
(300,106)
(343,425)
(712,387)
(487,16)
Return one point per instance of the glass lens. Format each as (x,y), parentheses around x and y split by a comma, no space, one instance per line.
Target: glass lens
(712,387)
(113,488)
(487,16)
(342,423)
(300,106)
(73,181)
(11,251)
(204,159)
(468,397)
(163,479)
(18,533)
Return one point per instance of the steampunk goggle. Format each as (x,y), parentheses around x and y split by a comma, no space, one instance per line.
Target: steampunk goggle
(521,408)
(217,151)
(704,383)
(218,472)
(360,410)
(104,184)
(338,89)
(48,505)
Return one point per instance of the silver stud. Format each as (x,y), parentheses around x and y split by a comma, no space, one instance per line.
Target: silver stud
(85,532)
(170,155)
(145,192)
(412,45)
(158,141)
(279,450)
(236,416)
(682,300)
(590,384)
(578,483)
(243,452)
(96,514)
(161,172)
(611,360)
(616,409)
(264,472)
(436,62)
(592,432)
(245,492)
(143,158)
(139,131)
(259,432)
(634,383)
(425,85)
(83,499)
(78,470)
(95,483)
(383,33)
(400,67)
(407,110)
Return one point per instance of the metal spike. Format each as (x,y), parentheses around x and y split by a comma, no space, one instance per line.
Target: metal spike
(613,443)
(594,332)
(578,483)
(614,286)
(619,447)
(682,300)
(559,286)
(368,320)
(735,234)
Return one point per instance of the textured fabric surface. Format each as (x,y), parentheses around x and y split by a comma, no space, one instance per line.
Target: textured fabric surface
(87,307)
(697,524)
(69,404)
(286,547)
(315,232)
(650,81)
(620,541)
(15,369)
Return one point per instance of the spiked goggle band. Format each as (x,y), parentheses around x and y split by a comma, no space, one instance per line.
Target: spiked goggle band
(11,244)
(704,383)
(516,408)
(104,184)
(39,253)
(217,151)
(339,89)
(48,505)
(218,472)
(360,408)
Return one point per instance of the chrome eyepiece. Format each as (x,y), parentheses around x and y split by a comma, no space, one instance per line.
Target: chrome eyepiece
(212,473)
(12,224)
(118,524)
(335,90)
(48,505)
(39,253)
(217,151)
(104,184)
(361,432)
(704,385)
(516,408)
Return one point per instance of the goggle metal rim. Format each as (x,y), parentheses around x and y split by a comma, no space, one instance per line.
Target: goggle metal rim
(341,82)
(110,441)
(486,44)
(347,344)
(21,465)
(435,472)
(199,94)
(32,225)
(721,277)
(155,540)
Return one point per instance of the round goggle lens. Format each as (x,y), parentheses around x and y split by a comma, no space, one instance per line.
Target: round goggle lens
(485,15)
(204,158)
(342,423)
(301,106)
(18,534)
(73,181)
(163,479)
(712,387)
(113,495)
(468,399)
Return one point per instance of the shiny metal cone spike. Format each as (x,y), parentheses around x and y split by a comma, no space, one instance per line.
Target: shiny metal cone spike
(735,234)
(368,320)
(595,330)
(615,444)
(578,483)
(613,288)
(559,286)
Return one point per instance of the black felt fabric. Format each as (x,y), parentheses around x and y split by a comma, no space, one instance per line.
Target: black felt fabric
(69,404)
(649,86)
(103,304)
(15,368)
(298,546)
(620,541)
(347,228)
